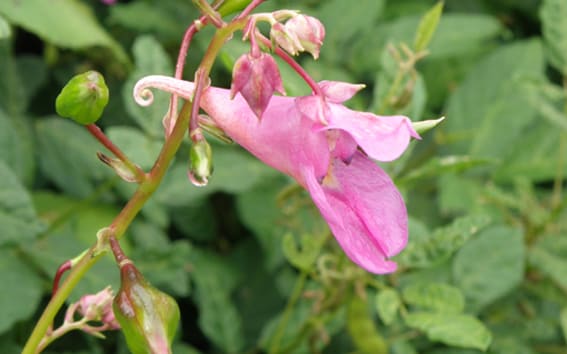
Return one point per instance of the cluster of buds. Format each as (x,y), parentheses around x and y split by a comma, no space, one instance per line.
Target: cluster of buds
(255,74)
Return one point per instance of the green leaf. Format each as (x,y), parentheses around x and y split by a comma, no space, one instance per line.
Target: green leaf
(361,328)
(489,113)
(150,59)
(67,156)
(304,256)
(236,171)
(165,264)
(460,34)
(439,297)
(563,322)
(16,148)
(346,21)
(73,228)
(440,245)
(388,303)
(451,329)
(219,319)
(549,255)
(427,27)
(437,166)
(65,23)
(554,28)
(5,30)
(20,300)
(17,214)
(501,249)
(258,210)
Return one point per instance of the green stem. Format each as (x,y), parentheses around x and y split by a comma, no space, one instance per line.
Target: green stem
(280,330)
(135,204)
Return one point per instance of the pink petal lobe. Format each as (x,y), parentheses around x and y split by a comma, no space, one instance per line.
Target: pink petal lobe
(339,92)
(382,138)
(364,210)
(283,138)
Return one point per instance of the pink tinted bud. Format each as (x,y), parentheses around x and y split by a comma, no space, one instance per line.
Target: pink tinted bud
(98,307)
(256,79)
(309,31)
(286,39)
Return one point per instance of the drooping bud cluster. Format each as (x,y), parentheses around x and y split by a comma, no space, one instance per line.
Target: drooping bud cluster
(255,74)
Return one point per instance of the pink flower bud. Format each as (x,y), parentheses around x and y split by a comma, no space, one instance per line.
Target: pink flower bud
(286,39)
(256,79)
(309,31)
(98,307)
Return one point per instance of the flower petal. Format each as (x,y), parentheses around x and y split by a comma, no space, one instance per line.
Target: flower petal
(365,212)
(382,138)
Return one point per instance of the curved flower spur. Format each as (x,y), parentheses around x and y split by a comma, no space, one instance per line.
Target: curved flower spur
(326,147)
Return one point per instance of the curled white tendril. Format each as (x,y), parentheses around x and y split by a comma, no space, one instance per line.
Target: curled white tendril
(145,97)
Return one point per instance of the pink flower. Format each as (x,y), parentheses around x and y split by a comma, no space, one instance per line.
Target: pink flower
(326,148)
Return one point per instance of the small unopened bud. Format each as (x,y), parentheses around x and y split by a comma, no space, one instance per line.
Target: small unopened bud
(98,307)
(309,31)
(127,173)
(256,79)
(83,98)
(426,125)
(200,163)
(149,317)
(286,39)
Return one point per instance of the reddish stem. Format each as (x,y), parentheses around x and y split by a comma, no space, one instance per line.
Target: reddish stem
(103,139)
(194,131)
(294,65)
(254,4)
(117,250)
(60,271)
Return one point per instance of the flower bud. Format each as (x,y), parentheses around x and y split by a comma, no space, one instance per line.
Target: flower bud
(200,162)
(256,78)
(83,98)
(149,317)
(286,39)
(309,31)
(98,307)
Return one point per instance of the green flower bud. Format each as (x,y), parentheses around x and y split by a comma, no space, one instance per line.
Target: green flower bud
(148,317)
(200,162)
(83,98)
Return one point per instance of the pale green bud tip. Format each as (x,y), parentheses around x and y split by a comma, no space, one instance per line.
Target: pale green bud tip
(200,163)
(426,125)
(148,317)
(83,98)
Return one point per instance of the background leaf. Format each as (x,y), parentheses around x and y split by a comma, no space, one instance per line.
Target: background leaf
(458,330)
(502,251)
(79,30)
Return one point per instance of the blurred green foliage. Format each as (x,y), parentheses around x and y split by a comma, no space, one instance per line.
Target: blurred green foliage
(248,258)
